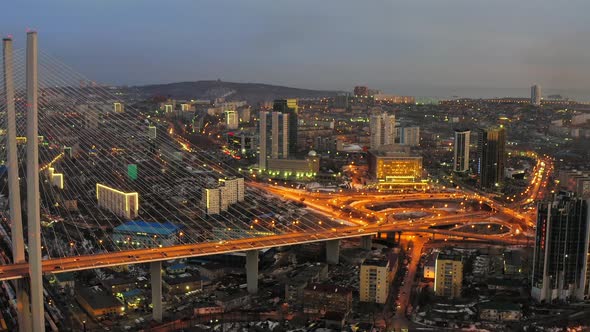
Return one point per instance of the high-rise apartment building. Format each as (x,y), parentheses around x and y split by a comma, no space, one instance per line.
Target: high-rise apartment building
(118,107)
(536,95)
(382,126)
(120,203)
(448,277)
(361,91)
(231,119)
(273,144)
(409,136)
(236,189)
(218,199)
(340,101)
(289,107)
(491,144)
(211,200)
(561,256)
(152,132)
(461,159)
(375,279)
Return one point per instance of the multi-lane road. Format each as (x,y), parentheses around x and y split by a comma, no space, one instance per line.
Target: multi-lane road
(58,265)
(325,203)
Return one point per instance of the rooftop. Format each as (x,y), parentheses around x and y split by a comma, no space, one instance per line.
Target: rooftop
(328,288)
(151,228)
(183,278)
(97,297)
(132,293)
(448,257)
(376,262)
(500,306)
(64,277)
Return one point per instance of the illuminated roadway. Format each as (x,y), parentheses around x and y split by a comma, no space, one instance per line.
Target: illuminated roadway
(58,265)
(323,203)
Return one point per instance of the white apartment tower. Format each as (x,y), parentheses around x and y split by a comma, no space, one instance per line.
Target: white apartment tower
(120,203)
(382,127)
(461,159)
(536,95)
(229,191)
(231,119)
(277,141)
(409,136)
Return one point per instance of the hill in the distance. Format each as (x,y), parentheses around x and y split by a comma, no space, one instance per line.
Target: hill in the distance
(251,92)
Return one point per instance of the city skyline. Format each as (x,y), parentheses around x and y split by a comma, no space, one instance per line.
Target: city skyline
(202,203)
(448,50)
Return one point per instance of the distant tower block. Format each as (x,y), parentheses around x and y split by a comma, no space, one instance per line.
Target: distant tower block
(152,132)
(536,95)
(231,119)
(461,150)
(68,151)
(119,107)
(118,202)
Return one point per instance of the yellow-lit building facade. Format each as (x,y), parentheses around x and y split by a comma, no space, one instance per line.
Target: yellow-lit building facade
(118,107)
(56,179)
(293,168)
(375,278)
(449,276)
(396,171)
(122,204)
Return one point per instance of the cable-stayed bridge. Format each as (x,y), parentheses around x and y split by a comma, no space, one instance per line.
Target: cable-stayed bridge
(81,162)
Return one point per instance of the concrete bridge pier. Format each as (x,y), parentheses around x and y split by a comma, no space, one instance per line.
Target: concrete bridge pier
(332,251)
(18,246)
(252,271)
(156,279)
(33,199)
(366,242)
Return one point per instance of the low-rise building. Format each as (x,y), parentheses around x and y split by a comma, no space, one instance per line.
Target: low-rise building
(514,263)
(334,320)
(65,281)
(141,233)
(231,301)
(119,284)
(176,269)
(98,302)
(122,204)
(183,283)
(211,271)
(295,286)
(203,309)
(321,298)
(294,168)
(500,311)
(392,167)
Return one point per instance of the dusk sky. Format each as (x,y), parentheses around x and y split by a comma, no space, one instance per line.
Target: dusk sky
(418,47)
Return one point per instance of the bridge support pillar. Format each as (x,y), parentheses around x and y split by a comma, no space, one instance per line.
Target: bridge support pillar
(332,251)
(18,246)
(156,279)
(33,210)
(366,242)
(252,271)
